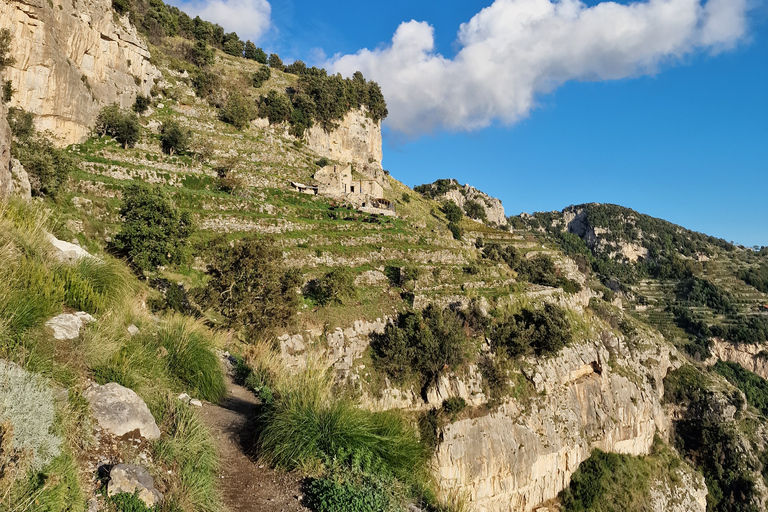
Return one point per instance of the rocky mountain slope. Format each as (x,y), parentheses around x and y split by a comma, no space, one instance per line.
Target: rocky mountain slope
(566,349)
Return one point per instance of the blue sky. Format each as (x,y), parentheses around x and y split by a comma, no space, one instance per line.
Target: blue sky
(665,111)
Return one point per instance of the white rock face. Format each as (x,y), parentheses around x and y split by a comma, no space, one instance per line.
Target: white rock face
(494,211)
(357,141)
(66,252)
(119,410)
(72,58)
(130,478)
(602,395)
(688,495)
(67,326)
(6,180)
(750,356)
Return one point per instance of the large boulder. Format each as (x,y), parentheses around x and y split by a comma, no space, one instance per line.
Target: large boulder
(120,411)
(66,252)
(67,326)
(129,478)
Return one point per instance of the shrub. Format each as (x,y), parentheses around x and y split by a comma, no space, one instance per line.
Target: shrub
(238,111)
(475,210)
(452,212)
(26,403)
(421,344)
(275,106)
(141,104)
(322,162)
(174,138)
(206,82)
(543,331)
(261,76)
(234,47)
(337,286)
(201,54)
(127,502)
(453,406)
(92,285)
(332,495)
(250,286)
(119,124)
(275,61)
(154,231)
(754,387)
(191,358)
(406,198)
(22,123)
(48,167)
(7,92)
(456,230)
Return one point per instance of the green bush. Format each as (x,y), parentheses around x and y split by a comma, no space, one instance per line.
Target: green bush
(251,287)
(141,104)
(237,111)
(475,210)
(32,294)
(261,76)
(275,62)
(452,212)
(127,502)
(456,230)
(201,54)
(48,167)
(22,123)
(174,138)
(26,403)
(191,358)
(542,331)
(337,286)
(154,231)
(275,106)
(453,406)
(206,82)
(121,125)
(331,495)
(421,345)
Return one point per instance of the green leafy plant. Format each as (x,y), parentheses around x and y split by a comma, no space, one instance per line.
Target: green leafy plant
(121,125)
(543,331)
(174,138)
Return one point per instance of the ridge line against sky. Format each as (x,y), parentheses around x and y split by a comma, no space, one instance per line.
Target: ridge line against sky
(657,105)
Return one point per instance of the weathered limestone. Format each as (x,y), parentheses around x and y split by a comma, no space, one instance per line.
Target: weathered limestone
(130,478)
(119,410)
(72,58)
(6,180)
(753,357)
(689,494)
(67,326)
(66,252)
(602,395)
(357,141)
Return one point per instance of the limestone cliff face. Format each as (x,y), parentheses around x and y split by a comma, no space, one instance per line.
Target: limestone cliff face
(6,183)
(753,357)
(72,58)
(357,141)
(604,395)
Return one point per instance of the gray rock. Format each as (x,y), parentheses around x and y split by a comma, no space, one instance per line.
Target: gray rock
(119,410)
(130,478)
(20,180)
(133,330)
(66,252)
(67,326)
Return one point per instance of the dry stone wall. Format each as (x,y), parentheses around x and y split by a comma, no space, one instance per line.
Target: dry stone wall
(72,58)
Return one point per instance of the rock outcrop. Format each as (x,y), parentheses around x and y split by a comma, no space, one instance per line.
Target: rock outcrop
(67,326)
(72,58)
(357,140)
(6,180)
(687,494)
(450,189)
(120,411)
(133,479)
(753,357)
(605,395)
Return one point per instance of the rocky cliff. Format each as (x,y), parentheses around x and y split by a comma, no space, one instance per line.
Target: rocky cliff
(72,58)
(605,395)
(5,154)
(451,190)
(357,140)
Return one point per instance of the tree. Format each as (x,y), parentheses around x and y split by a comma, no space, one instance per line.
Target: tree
(121,125)
(452,212)
(154,231)
(237,111)
(174,138)
(261,56)
(250,286)
(475,210)
(234,47)
(141,104)
(5,49)
(250,50)
(201,54)
(275,106)
(261,76)
(275,61)
(297,67)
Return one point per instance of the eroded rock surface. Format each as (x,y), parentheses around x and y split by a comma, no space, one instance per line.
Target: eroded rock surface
(73,58)
(130,478)
(119,410)
(67,326)
(357,141)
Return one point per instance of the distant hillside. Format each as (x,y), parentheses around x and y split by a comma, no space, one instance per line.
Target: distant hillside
(676,277)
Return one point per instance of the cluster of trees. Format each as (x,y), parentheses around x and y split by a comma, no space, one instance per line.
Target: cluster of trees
(320,98)
(756,277)
(701,292)
(48,167)
(543,331)
(437,189)
(538,270)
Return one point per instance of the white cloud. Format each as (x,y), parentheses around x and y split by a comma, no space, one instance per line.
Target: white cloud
(249,18)
(514,50)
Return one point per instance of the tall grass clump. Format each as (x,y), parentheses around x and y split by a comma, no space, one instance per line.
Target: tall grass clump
(307,427)
(95,285)
(191,357)
(187,446)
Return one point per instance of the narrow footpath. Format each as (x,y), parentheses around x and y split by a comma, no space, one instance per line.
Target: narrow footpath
(245,484)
